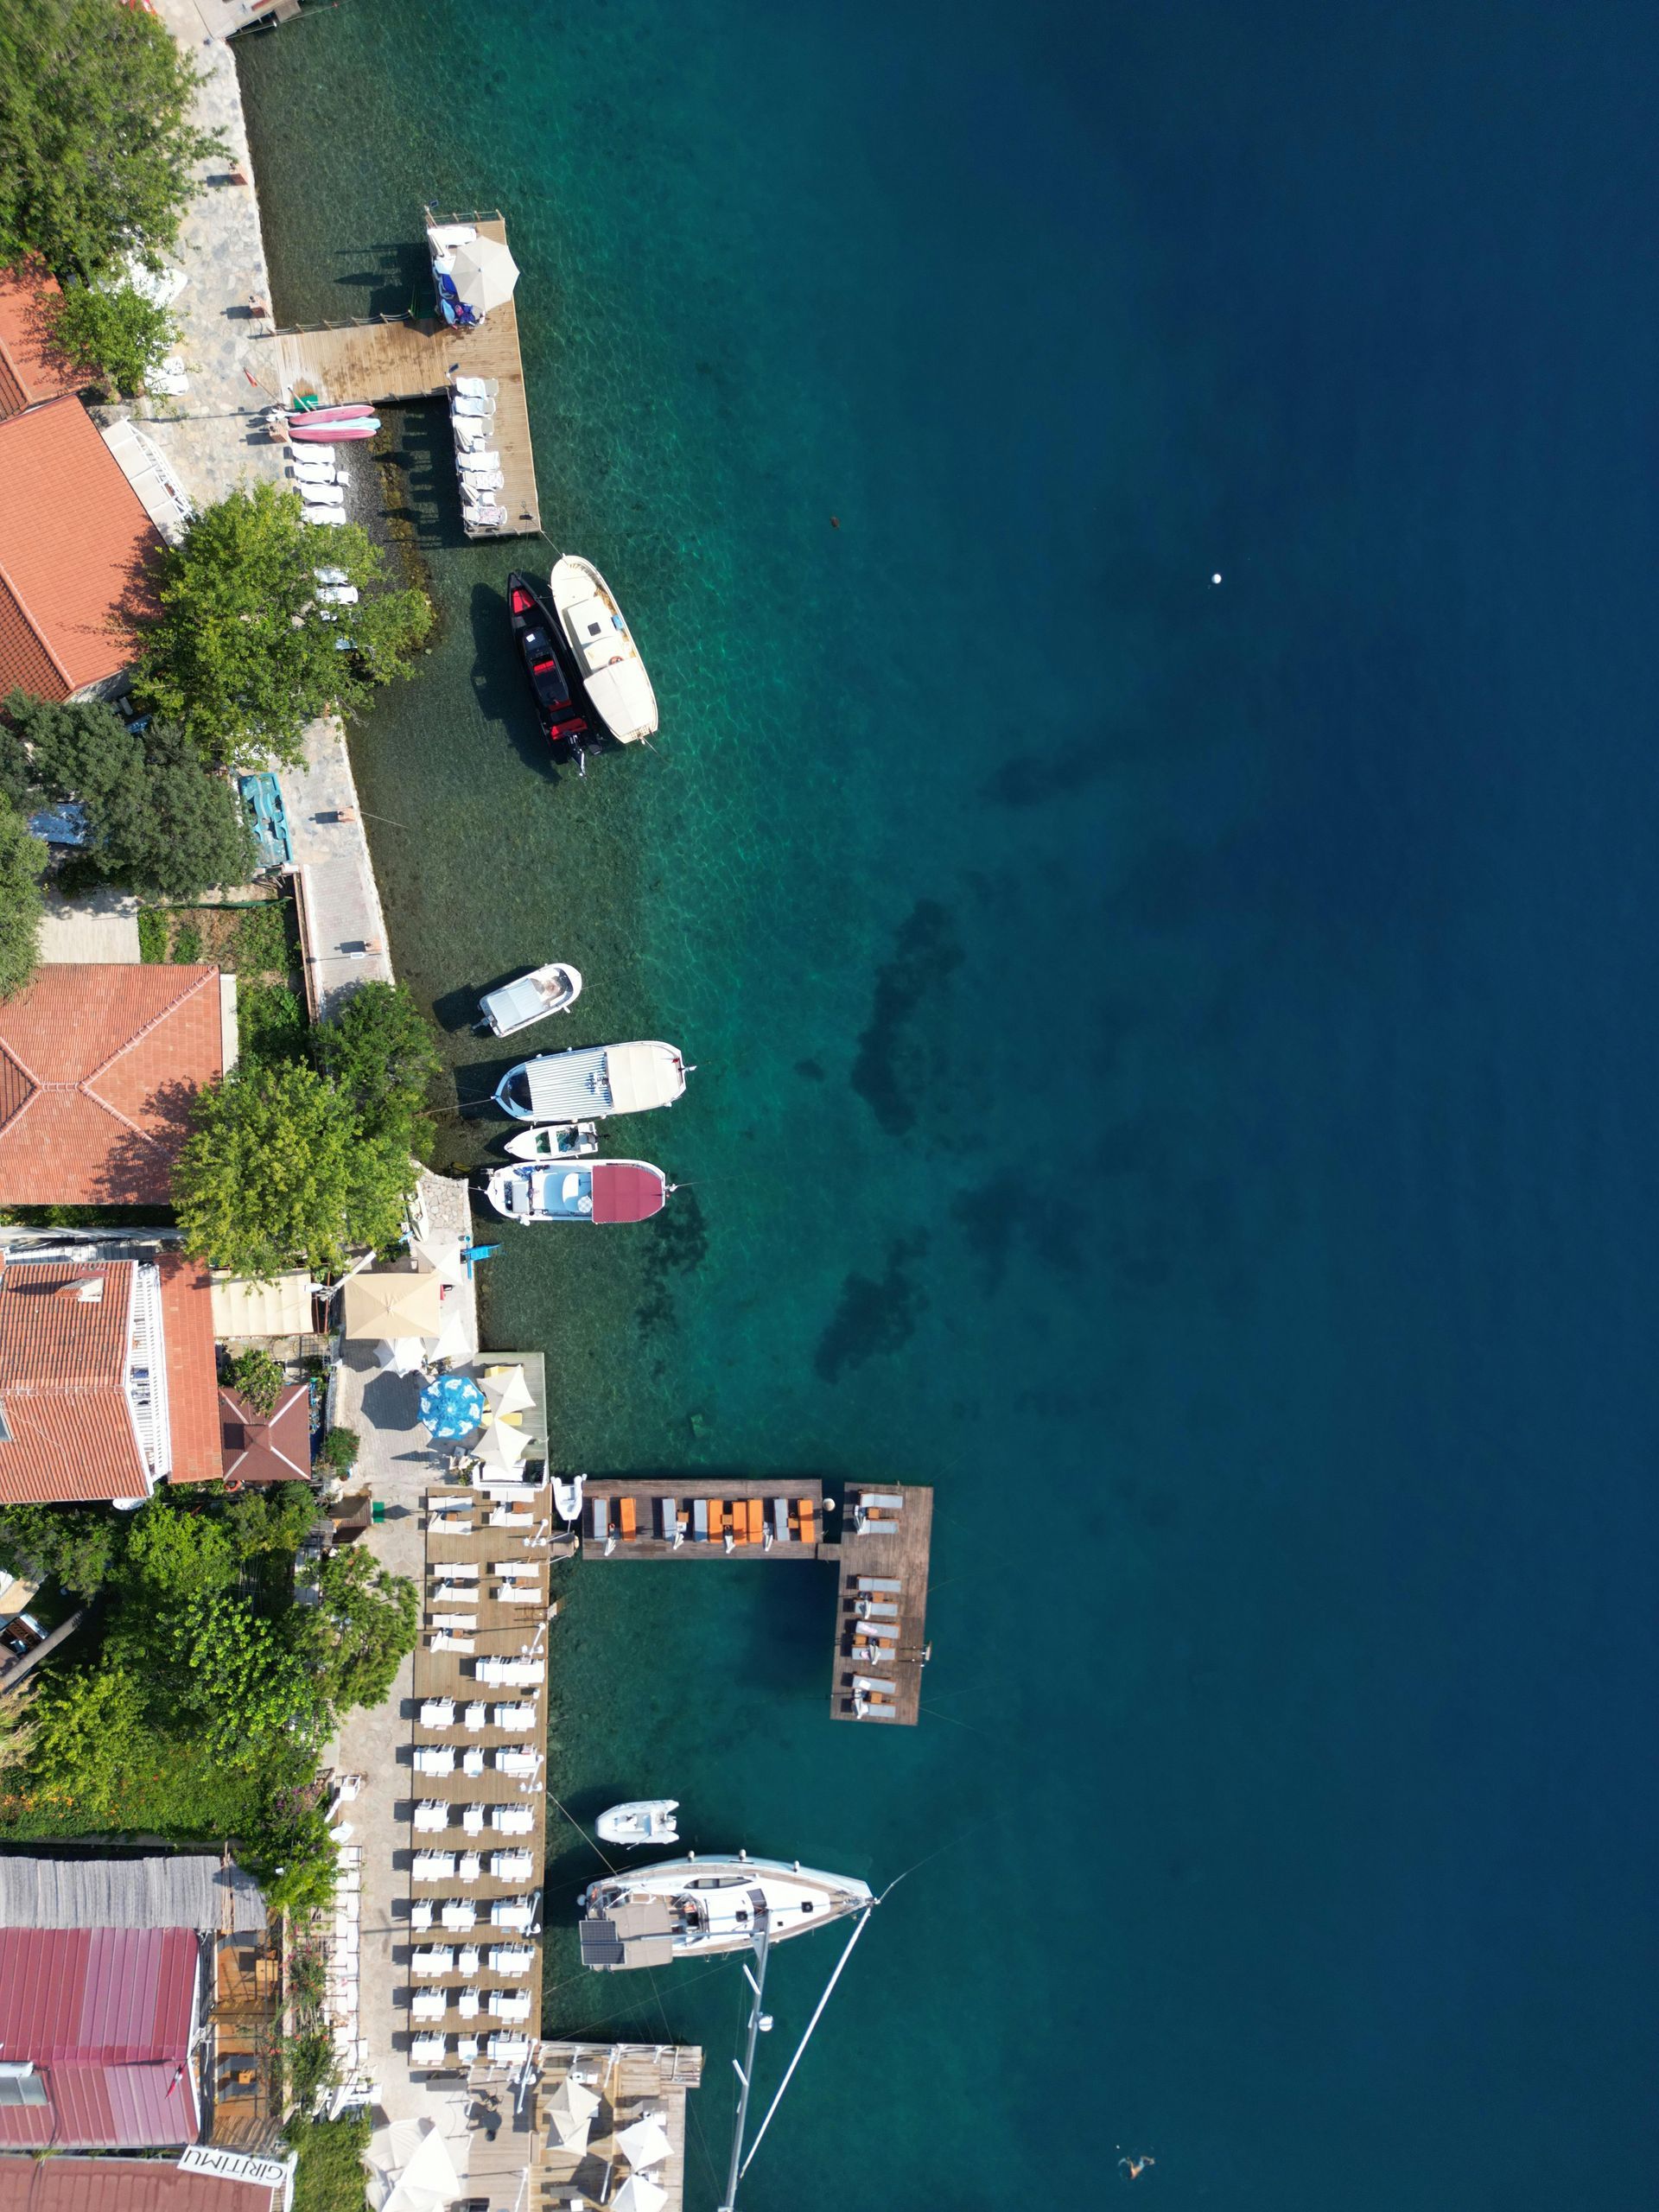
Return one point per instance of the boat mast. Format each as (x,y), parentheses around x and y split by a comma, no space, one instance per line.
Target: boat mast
(789,2071)
(745,2073)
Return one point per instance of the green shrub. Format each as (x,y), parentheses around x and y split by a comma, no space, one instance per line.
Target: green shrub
(312,2067)
(270,1023)
(329,2175)
(307,1977)
(258,1376)
(115,339)
(340,1449)
(186,945)
(152,933)
(262,942)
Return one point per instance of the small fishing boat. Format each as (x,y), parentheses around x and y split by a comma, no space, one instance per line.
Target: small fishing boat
(556,1140)
(683,1907)
(350,410)
(536,634)
(642,1820)
(567,1498)
(612,673)
(610,1191)
(594,1079)
(552,988)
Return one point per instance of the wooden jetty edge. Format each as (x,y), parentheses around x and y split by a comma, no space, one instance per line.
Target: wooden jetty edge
(631,1517)
(881,1605)
(394,358)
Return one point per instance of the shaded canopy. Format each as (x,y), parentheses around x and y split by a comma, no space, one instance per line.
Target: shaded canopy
(390,1305)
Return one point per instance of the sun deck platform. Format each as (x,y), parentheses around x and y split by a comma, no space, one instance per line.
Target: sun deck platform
(893,1547)
(800,1498)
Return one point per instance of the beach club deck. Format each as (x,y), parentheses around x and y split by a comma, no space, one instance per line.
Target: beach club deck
(881,1605)
(393,358)
(682,1517)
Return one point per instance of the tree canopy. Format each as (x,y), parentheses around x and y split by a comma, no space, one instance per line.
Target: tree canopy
(241,654)
(75,1545)
(23,862)
(97,146)
(365,1622)
(280,1174)
(114,337)
(158,820)
(381,1051)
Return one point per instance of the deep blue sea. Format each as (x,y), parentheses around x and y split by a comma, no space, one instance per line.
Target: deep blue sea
(1176,1059)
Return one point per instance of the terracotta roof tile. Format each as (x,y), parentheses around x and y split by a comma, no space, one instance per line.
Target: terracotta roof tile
(28,367)
(111,2184)
(273,1447)
(62,1385)
(25,663)
(192,1371)
(97,1067)
(74,544)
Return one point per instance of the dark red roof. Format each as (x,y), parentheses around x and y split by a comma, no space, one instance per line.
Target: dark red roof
(105,2014)
(99,1064)
(273,1447)
(123,2186)
(626,1189)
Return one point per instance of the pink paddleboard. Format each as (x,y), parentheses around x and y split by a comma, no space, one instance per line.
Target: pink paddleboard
(343,414)
(321,434)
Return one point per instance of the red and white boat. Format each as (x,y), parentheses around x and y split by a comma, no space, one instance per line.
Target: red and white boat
(343,413)
(603,1191)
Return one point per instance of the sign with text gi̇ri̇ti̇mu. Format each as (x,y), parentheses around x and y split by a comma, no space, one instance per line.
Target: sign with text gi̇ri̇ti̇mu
(233,2166)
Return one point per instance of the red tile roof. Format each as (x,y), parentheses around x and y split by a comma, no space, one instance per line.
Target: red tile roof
(273,1447)
(63,1363)
(28,369)
(108,2185)
(192,1371)
(97,1067)
(105,2014)
(74,548)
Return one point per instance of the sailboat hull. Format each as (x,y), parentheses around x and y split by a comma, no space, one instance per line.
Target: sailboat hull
(686,1907)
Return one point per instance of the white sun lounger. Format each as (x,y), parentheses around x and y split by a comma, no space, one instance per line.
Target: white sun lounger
(328,515)
(466,404)
(472,461)
(490,479)
(489,518)
(478,387)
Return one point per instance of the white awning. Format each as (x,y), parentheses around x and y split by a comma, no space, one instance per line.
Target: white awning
(622,695)
(639,2194)
(282,1308)
(643,1076)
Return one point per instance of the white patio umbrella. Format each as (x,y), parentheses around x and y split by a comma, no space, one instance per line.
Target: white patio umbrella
(500,1445)
(507,1390)
(639,2194)
(571,2109)
(403,1355)
(483,273)
(411,2169)
(644,2143)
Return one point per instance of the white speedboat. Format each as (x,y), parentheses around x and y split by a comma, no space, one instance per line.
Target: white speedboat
(606,1191)
(547,990)
(593,1080)
(612,671)
(556,1140)
(567,1498)
(683,1908)
(642,1820)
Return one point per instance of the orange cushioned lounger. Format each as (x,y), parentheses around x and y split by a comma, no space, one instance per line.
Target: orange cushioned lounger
(624,1507)
(809,1532)
(717,1517)
(757,1521)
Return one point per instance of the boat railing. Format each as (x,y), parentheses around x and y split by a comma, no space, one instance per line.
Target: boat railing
(352,322)
(435,220)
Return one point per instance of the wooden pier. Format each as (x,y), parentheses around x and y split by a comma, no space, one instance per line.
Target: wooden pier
(881,1605)
(394,359)
(675,1516)
(633,2082)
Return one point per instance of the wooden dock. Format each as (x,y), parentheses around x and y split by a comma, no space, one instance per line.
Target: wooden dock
(776,1516)
(880,1630)
(393,358)
(633,2082)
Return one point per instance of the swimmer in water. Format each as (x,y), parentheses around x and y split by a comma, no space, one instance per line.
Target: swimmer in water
(1132,2169)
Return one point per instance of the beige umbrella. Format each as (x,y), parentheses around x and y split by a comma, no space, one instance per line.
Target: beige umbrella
(507,1390)
(500,1445)
(644,2143)
(483,273)
(571,2109)
(379,1306)
(639,2194)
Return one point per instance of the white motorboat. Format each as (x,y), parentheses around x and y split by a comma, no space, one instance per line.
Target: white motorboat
(556,1140)
(642,1820)
(611,670)
(605,1192)
(593,1080)
(683,1908)
(567,1498)
(552,988)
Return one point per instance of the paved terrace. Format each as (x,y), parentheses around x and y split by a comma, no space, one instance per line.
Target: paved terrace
(342,928)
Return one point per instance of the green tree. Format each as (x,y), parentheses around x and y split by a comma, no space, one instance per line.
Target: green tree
(114,337)
(340,1449)
(245,1687)
(97,146)
(292,1852)
(383,1052)
(366,1622)
(77,1546)
(274,1517)
(278,1174)
(258,1376)
(175,1554)
(23,863)
(88,1734)
(239,654)
(157,820)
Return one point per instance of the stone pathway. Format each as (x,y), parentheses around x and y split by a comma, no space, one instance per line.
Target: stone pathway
(342,929)
(209,435)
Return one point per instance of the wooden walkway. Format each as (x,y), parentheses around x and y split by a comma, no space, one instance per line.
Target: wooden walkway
(629,1516)
(394,359)
(631,2081)
(891,1547)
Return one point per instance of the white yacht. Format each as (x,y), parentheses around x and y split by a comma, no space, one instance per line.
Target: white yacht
(681,1908)
(593,1080)
(553,988)
(603,1191)
(612,673)
(642,1820)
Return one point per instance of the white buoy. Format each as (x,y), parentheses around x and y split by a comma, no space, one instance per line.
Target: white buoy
(1215,579)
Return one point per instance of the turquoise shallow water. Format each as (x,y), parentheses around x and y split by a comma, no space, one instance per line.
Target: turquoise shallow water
(1172,1061)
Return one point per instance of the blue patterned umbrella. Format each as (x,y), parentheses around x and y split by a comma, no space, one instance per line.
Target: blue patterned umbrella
(452,1406)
